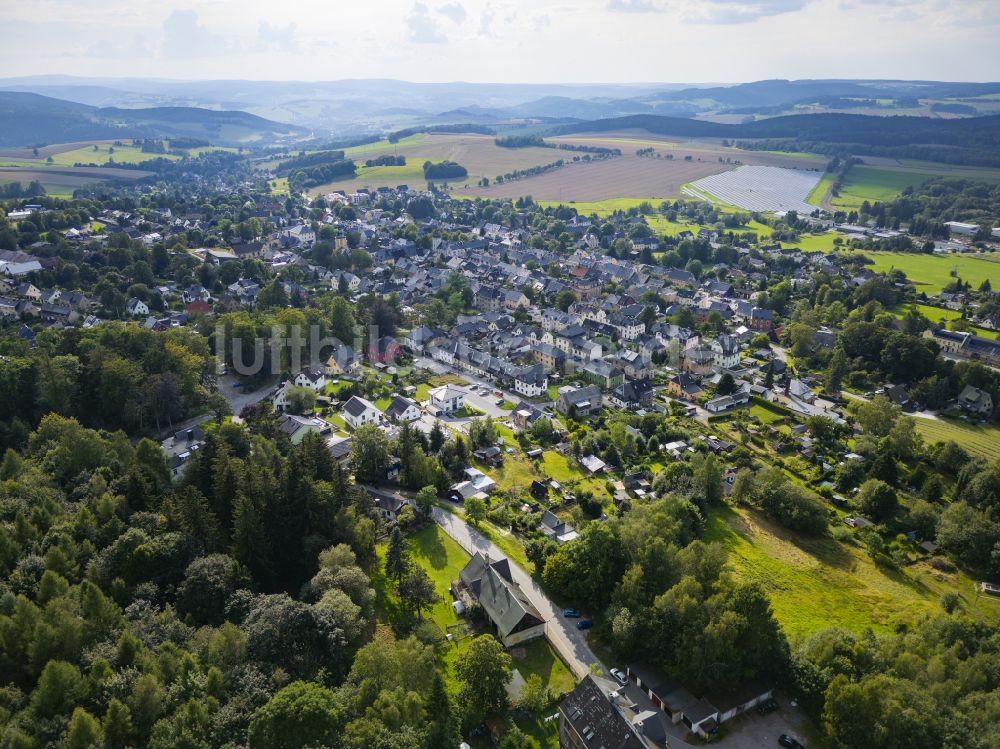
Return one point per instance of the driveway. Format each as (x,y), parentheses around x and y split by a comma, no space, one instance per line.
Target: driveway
(565,638)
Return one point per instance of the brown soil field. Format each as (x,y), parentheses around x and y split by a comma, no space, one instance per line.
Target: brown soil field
(67,179)
(623,177)
(630,176)
(45,151)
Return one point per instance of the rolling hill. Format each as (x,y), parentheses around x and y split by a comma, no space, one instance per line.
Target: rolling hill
(30,119)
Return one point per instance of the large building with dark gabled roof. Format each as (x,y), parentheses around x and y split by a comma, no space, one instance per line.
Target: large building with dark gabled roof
(588,720)
(514,618)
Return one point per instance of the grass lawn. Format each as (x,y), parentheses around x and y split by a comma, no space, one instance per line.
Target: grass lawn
(816,195)
(818,582)
(870,183)
(814,242)
(766,415)
(980,440)
(559,467)
(935,271)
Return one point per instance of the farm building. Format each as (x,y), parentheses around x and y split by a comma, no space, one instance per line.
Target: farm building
(966,230)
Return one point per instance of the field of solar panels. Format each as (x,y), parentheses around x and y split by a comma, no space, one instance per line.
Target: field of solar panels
(759,188)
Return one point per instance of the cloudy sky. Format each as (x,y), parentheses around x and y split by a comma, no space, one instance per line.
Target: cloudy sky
(504,40)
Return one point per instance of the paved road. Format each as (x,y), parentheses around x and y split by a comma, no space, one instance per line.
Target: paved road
(570,642)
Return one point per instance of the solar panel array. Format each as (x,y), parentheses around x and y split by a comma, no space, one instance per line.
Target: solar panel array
(762,188)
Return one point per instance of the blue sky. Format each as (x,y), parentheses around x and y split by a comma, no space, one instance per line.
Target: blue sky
(505,41)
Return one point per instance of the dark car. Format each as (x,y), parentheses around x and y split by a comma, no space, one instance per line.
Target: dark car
(767,707)
(789,743)
(572,613)
(584,624)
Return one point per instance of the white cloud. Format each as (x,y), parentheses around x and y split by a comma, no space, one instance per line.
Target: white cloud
(423,29)
(183,36)
(276,37)
(454,11)
(735,12)
(636,6)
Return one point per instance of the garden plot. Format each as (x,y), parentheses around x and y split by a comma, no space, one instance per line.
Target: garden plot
(761,188)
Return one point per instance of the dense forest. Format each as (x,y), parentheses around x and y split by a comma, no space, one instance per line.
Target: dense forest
(444,170)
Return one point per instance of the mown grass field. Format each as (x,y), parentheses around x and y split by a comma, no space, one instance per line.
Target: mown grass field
(871,183)
(818,582)
(934,271)
(981,440)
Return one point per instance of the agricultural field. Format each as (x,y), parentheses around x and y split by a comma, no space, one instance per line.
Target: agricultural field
(62,181)
(60,177)
(874,184)
(477,153)
(819,582)
(979,440)
(935,271)
(628,176)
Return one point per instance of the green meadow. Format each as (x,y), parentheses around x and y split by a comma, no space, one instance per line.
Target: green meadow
(873,184)
(979,440)
(937,271)
(815,583)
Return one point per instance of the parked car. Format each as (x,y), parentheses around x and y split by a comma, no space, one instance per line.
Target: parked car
(767,707)
(584,624)
(498,392)
(620,676)
(572,613)
(498,402)
(789,743)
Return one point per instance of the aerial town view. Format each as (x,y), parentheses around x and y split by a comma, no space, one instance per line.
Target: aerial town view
(467,374)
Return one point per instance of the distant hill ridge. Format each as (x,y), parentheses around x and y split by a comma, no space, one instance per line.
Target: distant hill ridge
(29,119)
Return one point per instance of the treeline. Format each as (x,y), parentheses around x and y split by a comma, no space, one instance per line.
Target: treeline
(521,141)
(536,141)
(398,135)
(925,209)
(444,170)
(301,179)
(304,160)
(387,160)
(15,190)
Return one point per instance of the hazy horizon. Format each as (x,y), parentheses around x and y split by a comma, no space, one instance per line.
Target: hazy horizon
(621,42)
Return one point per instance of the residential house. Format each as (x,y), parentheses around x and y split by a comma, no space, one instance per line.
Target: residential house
(384,350)
(726,352)
(603,374)
(136,307)
(555,528)
(402,409)
(632,395)
(358,411)
(975,400)
(342,362)
(446,399)
(579,402)
(530,381)
(297,427)
(553,359)
(313,378)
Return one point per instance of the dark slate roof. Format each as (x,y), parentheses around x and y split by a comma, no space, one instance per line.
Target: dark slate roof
(593,717)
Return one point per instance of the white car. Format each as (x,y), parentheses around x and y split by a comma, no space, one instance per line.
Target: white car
(620,676)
